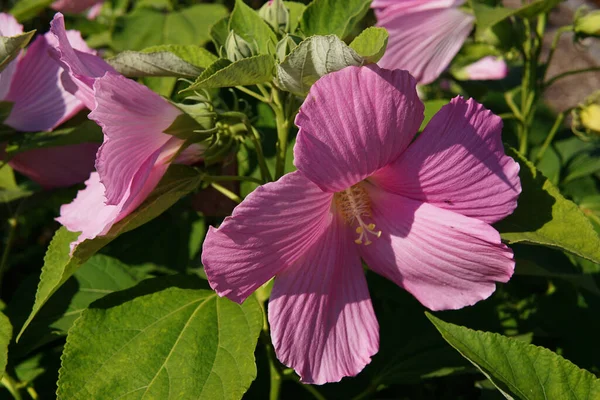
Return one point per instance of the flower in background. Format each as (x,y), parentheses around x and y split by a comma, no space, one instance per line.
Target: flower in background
(93,7)
(486,69)
(35,85)
(416,211)
(424,35)
(586,118)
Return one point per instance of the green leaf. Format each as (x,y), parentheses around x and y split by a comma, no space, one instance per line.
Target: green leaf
(519,369)
(164,60)
(59,265)
(296,9)
(583,164)
(162,340)
(24,10)
(487,16)
(326,17)
(246,22)
(543,216)
(371,44)
(530,268)
(5,336)
(245,72)
(157,4)
(431,108)
(7,177)
(219,32)
(11,46)
(5,110)
(147,27)
(313,58)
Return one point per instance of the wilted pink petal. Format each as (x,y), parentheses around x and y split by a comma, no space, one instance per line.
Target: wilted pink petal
(74,6)
(320,313)
(446,260)
(8,27)
(351,126)
(57,166)
(424,36)
(40,100)
(83,68)
(486,69)
(267,233)
(458,163)
(133,119)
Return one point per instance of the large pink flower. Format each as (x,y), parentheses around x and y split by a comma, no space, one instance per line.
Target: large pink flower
(417,212)
(35,85)
(424,35)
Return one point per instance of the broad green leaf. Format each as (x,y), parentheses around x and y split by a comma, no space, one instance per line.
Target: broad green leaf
(192,54)
(59,265)
(543,216)
(487,16)
(7,177)
(518,369)
(86,132)
(166,5)
(219,32)
(313,58)
(371,44)
(11,46)
(296,9)
(245,72)
(162,63)
(164,339)
(5,336)
(24,10)
(246,22)
(147,27)
(583,164)
(333,17)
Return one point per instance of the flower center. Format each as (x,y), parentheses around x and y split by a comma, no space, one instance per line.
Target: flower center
(354,204)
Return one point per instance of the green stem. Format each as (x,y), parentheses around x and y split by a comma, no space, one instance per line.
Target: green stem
(231,178)
(283,128)
(553,80)
(226,192)
(12,386)
(12,222)
(559,120)
(252,93)
(372,388)
(262,163)
(553,47)
(32,393)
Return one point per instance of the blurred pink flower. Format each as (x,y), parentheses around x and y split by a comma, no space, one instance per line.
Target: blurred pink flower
(487,69)
(35,84)
(79,6)
(417,212)
(424,35)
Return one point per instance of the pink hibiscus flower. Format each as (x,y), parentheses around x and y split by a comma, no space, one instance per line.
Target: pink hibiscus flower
(417,212)
(35,85)
(486,69)
(135,153)
(424,35)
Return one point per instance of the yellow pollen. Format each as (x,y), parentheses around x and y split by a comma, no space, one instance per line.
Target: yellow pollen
(354,205)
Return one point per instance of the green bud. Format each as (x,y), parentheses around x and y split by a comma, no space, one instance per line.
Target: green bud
(587,23)
(286,45)
(276,14)
(586,118)
(236,48)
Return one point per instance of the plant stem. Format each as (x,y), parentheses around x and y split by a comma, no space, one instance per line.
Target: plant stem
(12,386)
(312,390)
(283,128)
(553,47)
(231,178)
(226,192)
(252,93)
(12,223)
(262,164)
(553,80)
(32,393)
(559,120)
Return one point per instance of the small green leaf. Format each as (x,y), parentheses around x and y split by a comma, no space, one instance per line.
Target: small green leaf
(165,60)
(245,72)
(519,369)
(7,177)
(24,10)
(313,58)
(371,44)
(246,22)
(59,265)
(326,17)
(543,216)
(164,339)
(5,336)
(11,46)
(296,9)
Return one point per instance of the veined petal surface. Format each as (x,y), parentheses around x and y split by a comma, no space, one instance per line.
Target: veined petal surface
(9,26)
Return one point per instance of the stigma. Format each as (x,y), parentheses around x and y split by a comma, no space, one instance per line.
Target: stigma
(354,205)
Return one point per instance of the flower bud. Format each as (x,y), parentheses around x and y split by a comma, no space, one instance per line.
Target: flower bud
(587,23)
(236,48)
(276,14)
(586,118)
(286,45)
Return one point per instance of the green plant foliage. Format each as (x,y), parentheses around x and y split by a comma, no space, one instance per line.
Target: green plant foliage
(147,27)
(5,336)
(331,17)
(24,10)
(245,72)
(246,22)
(488,16)
(518,369)
(313,58)
(543,216)
(163,339)
(59,265)
(296,9)
(371,44)
(11,46)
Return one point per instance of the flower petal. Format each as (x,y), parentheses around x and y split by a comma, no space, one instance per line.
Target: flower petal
(8,27)
(446,260)
(40,99)
(423,41)
(354,122)
(57,166)
(133,119)
(83,68)
(322,320)
(273,227)
(487,68)
(458,163)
